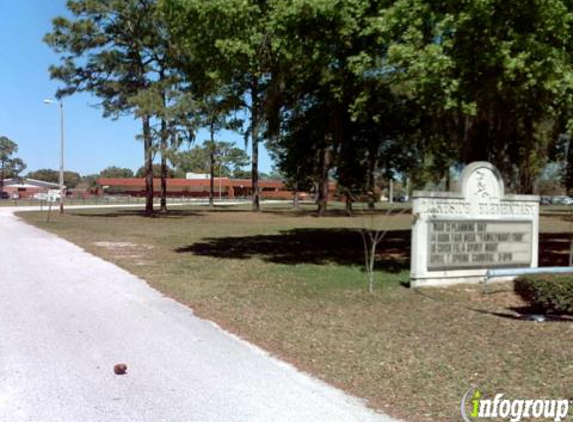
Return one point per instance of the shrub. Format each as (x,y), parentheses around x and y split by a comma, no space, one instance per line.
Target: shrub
(547,292)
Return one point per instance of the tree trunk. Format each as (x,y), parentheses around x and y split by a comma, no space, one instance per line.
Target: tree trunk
(295,197)
(391,191)
(163,136)
(371,267)
(448,180)
(255,146)
(568,167)
(322,201)
(211,177)
(348,196)
(148,166)
(163,207)
(371,181)
(526,169)
(478,140)
(371,201)
(2,175)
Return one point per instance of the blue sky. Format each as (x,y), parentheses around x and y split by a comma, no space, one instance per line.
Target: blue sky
(93,142)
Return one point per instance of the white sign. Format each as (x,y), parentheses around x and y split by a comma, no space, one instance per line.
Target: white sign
(53,195)
(458,236)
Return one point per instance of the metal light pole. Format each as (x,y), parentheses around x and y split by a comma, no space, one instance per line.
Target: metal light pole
(61,178)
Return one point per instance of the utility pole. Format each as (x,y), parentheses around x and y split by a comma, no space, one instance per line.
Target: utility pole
(62,145)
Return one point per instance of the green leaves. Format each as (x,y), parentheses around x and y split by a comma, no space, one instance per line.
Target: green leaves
(453,81)
(500,68)
(108,48)
(10,166)
(7,148)
(197,160)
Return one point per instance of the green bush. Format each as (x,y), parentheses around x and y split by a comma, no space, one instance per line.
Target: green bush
(547,292)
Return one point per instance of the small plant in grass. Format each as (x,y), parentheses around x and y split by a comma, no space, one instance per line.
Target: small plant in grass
(373,233)
(551,293)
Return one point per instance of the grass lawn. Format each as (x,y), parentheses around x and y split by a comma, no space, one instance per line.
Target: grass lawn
(30,202)
(293,284)
(94,200)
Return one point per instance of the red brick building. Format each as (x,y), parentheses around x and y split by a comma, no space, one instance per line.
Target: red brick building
(195,188)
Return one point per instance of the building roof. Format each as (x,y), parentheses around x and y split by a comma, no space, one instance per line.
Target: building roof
(30,183)
(223,181)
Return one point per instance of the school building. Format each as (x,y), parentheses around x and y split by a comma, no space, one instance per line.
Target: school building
(195,188)
(26,188)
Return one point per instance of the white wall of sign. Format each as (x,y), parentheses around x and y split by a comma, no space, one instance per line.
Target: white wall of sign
(458,236)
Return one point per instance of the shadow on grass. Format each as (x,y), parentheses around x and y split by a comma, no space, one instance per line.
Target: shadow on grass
(529,311)
(284,211)
(137,213)
(309,246)
(204,209)
(526,315)
(554,249)
(515,313)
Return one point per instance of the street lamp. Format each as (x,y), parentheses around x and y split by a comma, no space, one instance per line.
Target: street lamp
(61,104)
